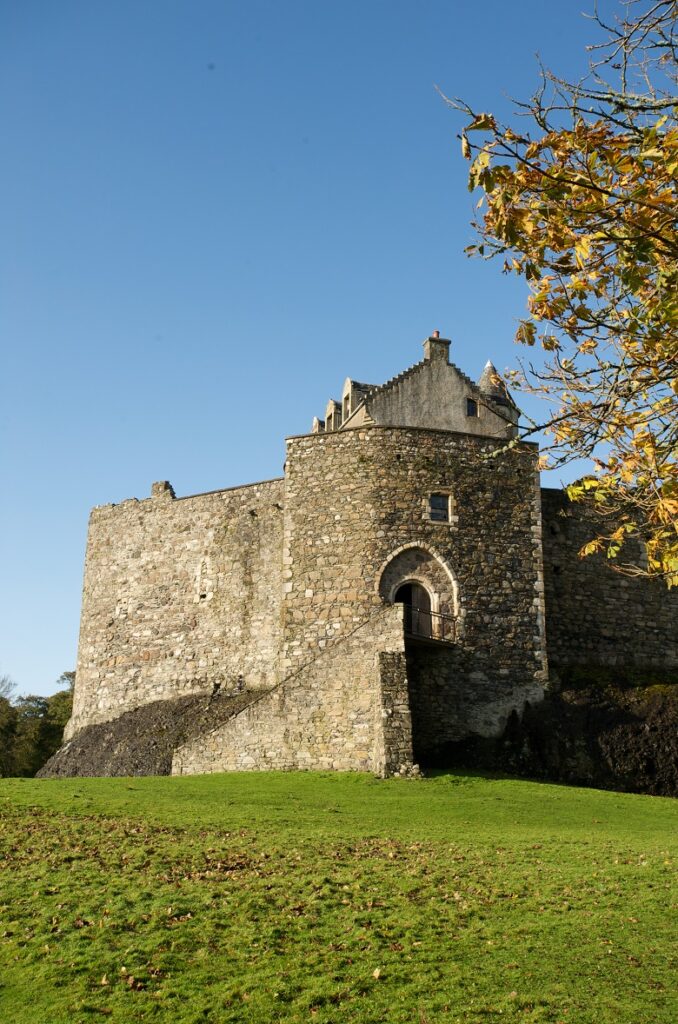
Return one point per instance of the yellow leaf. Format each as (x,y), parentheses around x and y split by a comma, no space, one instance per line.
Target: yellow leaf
(482,123)
(582,249)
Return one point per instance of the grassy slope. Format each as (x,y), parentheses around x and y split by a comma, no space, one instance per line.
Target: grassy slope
(333,898)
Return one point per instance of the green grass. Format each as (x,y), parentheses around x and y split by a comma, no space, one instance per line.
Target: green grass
(334,898)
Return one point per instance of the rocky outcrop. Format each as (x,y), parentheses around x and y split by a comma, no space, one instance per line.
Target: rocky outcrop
(610,734)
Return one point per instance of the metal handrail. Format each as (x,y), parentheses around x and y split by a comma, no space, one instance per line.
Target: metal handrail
(430,625)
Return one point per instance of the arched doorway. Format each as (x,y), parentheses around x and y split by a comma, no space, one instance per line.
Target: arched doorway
(422,581)
(417,601)
(418,578)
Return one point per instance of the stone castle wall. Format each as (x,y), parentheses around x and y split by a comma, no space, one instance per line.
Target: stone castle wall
(227,588)
(288,580)
(355,501)
(453,695)
(345,710)
(179,595)
(596,616)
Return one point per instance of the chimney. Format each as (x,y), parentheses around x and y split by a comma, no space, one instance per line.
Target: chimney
(436,348)
(162,489)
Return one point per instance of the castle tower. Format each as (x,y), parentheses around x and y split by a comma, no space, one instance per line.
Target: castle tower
(412,500)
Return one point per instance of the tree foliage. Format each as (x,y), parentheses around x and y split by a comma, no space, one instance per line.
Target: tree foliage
(7,687)
(579,198)
(31,727)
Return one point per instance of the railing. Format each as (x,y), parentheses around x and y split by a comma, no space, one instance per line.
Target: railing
(429,625)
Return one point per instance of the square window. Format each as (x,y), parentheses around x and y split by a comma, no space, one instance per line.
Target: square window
(439,508)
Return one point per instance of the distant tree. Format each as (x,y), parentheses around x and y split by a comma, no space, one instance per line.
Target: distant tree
(28,739)
(7,726)
(31,727)
(66,681)
(8,719)
(579,199)
(7,687)
(59,710)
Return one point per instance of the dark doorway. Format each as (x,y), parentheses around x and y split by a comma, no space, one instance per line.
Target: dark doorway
(417,601)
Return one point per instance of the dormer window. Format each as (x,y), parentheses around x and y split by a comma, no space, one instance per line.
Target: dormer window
(333,415)
(471,407)
(347,406)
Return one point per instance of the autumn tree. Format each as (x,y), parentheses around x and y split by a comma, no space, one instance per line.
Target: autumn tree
(579,199)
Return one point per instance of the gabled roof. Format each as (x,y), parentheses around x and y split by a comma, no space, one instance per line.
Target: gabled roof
(433,392)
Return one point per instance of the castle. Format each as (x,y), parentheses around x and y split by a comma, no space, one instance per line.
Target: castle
(405,585)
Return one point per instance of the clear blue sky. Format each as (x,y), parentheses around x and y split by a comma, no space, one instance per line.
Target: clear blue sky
(211,212)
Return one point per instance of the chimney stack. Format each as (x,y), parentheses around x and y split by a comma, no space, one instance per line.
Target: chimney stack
(436,348)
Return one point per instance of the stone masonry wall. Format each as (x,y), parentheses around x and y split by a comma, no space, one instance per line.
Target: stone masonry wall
(433,394)
(453,696)
(355,499)
(393,746)
(594,616)
(179,595)
(346,710)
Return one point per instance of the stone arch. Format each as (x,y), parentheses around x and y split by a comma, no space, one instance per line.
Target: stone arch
(420,564)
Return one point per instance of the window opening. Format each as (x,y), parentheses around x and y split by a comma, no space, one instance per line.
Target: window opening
(471,407)
(439,508)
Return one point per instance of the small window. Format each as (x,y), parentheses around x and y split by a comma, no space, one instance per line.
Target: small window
(439,508)
(471,407)
(347,405)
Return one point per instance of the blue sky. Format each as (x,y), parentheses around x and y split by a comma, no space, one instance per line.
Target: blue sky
(211,213)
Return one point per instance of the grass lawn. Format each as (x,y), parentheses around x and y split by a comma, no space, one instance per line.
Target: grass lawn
(332,898)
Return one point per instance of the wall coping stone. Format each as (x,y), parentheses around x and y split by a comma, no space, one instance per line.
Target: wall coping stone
(189,497)
(338,434)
